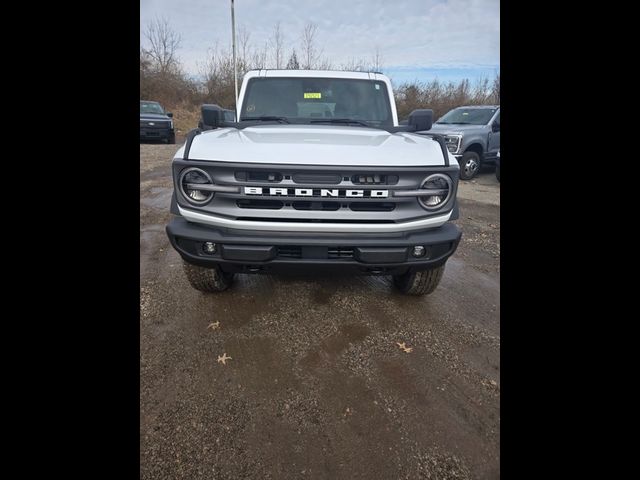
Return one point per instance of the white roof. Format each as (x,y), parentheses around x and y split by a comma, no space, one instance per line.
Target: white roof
(315,73)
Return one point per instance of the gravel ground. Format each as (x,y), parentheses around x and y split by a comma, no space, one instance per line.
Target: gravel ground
(317,386)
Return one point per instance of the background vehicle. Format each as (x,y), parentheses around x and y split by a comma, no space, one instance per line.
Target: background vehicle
(155,123)
(316,174)
(472,135)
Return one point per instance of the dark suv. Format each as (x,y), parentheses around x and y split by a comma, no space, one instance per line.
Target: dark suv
(155,123)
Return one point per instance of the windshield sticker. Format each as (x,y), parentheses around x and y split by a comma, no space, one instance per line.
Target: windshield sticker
(465,113)
(251,108)
(313,95)
(377,87)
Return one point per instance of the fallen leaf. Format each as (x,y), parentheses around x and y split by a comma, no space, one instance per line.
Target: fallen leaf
(404,347)
(214,325)
(223,359)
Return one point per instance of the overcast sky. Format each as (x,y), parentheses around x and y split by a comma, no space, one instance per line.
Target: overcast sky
(418,39)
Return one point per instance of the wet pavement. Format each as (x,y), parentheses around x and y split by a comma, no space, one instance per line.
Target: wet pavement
(317,386)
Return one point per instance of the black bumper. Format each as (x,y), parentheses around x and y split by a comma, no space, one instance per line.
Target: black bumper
(258,252)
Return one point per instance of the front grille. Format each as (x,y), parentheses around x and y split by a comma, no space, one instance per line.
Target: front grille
(340,252)
(291,194)
(145,124)
(334,253)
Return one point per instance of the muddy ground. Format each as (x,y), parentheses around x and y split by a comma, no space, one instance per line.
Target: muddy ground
(317,386)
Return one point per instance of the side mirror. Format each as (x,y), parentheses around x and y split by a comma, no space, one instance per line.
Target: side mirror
(211,116)
(421,119)
(495,127)
(169,114)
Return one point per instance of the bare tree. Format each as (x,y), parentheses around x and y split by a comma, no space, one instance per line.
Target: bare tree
(276,42)
(495,90)
(310,52)
(163,44)
(324,63)
(376,60)
(354,65)
(259,57)
(243,40)
(293,63)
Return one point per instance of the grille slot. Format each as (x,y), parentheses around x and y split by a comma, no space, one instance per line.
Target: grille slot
(372,206)
(340,252)
(317,178)
(260,204)
(374,179)
(290,251)
(258,176)
(321,206)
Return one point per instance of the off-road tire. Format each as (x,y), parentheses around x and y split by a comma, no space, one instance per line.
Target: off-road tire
(207,279)
(498,173)
(419,283)
(172,139)
(470,165)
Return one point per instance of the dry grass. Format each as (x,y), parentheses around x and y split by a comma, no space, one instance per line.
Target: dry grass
(185,118)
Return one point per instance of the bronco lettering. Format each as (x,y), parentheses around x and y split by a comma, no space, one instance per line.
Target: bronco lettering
(315,192)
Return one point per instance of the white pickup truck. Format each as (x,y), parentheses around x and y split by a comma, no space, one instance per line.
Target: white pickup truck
(315,174)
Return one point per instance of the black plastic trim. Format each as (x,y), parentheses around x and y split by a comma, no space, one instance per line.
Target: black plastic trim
(187,146)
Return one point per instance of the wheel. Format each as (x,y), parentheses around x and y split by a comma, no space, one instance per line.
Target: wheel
(419,283)
(207,279)
(498,172)
(469,165)
(172,139)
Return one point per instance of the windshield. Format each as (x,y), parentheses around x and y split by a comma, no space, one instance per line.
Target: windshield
(148,107)
(314,100)
(468,116)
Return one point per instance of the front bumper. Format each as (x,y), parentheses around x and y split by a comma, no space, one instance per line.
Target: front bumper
(261,252)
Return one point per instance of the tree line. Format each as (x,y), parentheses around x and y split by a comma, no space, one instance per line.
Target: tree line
(164,79)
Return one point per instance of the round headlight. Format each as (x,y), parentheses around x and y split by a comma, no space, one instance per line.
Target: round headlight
(441,188)
(190,179)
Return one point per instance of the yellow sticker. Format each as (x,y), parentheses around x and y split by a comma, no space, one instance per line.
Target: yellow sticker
(313,95)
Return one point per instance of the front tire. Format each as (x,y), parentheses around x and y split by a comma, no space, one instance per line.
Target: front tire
(171,140)
(469,165)
(207,279)
(423,282)
(498,173)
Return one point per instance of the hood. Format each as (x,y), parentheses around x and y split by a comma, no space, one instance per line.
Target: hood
(453,128)
(153,116)
(315,145)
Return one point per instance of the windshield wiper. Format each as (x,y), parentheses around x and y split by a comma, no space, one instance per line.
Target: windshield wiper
(268,118)
(341,120)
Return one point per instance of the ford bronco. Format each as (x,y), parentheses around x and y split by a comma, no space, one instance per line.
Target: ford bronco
(315,173)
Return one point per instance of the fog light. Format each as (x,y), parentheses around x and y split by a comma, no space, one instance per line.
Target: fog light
(419,251)
(209,247)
